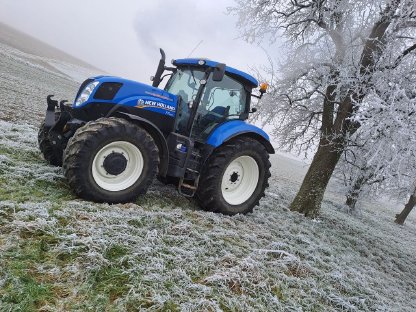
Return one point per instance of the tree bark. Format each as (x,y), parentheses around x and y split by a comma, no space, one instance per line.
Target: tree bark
(309,198)
(401,217)
(351,202)
(354,193)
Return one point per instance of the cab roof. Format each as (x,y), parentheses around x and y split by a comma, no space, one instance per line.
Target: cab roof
(245,78)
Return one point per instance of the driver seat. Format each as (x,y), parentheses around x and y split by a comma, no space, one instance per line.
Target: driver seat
(209,118)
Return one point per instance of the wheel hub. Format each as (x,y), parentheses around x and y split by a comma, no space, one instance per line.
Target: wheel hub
(234,177)
(115,163)
(117,166)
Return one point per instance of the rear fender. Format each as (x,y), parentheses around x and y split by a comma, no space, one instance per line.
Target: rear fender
(238,128)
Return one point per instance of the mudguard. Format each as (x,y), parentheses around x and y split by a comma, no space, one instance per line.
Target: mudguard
(234,128)
(157,136)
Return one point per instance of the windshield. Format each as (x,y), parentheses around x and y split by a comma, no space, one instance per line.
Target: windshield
(185,83)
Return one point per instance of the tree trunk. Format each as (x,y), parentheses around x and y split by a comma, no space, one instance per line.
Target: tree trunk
(401,217)
(352,198)
(354,193)
(309,198)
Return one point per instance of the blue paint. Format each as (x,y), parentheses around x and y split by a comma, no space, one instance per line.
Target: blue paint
(231,129)
(132,93)
(142,96)
(192,61)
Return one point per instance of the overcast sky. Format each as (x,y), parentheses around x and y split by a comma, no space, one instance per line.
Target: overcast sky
(122,37)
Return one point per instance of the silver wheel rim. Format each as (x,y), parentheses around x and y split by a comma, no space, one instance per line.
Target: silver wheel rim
(240,180)
(128,177)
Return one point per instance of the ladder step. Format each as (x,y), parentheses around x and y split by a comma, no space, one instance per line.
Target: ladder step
(187,189)
(191,187)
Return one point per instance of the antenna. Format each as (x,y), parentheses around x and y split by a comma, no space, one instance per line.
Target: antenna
(196,47)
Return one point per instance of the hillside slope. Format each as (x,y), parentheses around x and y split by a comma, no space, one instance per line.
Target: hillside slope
(27,44)
(162,253)
(26,78)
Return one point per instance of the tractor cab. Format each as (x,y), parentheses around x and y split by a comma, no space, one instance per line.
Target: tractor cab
(207,99)
(209,94)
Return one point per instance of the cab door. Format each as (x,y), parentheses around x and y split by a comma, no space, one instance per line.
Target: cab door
(185,83)
(221,101)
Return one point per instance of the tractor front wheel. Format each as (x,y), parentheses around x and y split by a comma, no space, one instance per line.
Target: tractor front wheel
(110,160)
(235,177)
(51,153)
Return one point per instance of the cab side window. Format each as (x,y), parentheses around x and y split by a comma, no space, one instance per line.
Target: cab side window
(221,101)
(226,96)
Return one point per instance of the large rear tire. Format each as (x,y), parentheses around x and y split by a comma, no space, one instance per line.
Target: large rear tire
(51,153)
(235,177)
(110,160)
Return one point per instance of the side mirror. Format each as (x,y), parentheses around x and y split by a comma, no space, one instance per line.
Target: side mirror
(219,72)
(253,110)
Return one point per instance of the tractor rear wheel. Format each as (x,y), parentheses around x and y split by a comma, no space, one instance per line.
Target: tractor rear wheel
(51,153)
(235,177)
(110,160)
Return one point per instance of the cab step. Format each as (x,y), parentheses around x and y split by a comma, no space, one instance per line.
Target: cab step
(186,189)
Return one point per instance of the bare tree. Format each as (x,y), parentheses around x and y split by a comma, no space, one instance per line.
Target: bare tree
(411,203)
(337,51)
(380,157)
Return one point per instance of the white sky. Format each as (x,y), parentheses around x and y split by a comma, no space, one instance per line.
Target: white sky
(122,37)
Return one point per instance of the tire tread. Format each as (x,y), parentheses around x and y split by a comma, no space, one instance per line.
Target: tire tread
(85,138)
(209,194)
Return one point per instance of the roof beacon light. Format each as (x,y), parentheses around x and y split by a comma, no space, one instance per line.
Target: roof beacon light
(263,87)
(201,62)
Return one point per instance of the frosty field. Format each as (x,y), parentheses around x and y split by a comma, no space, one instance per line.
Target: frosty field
(162,253)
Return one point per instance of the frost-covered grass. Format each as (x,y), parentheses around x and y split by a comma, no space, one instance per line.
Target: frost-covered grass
(59,253)
(162,253)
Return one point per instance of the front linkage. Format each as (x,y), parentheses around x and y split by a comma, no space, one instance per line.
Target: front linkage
(57,129)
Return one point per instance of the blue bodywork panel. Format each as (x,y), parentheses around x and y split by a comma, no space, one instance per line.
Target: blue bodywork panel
(138,95)
(193,61)
(231,129)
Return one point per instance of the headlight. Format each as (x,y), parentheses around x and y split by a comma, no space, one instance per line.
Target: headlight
(85,94)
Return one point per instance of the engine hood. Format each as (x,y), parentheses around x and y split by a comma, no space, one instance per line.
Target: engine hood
(116,90)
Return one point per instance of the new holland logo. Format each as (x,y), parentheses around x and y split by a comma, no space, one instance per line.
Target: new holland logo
(148,103)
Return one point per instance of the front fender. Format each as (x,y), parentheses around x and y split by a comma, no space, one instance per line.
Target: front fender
(157,136)
(235,128)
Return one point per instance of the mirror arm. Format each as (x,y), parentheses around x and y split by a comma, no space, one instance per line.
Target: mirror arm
(258,96)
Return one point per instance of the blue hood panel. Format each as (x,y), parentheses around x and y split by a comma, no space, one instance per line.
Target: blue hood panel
(136,94)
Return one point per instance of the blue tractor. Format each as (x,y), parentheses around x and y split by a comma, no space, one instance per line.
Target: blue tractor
(119,134)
